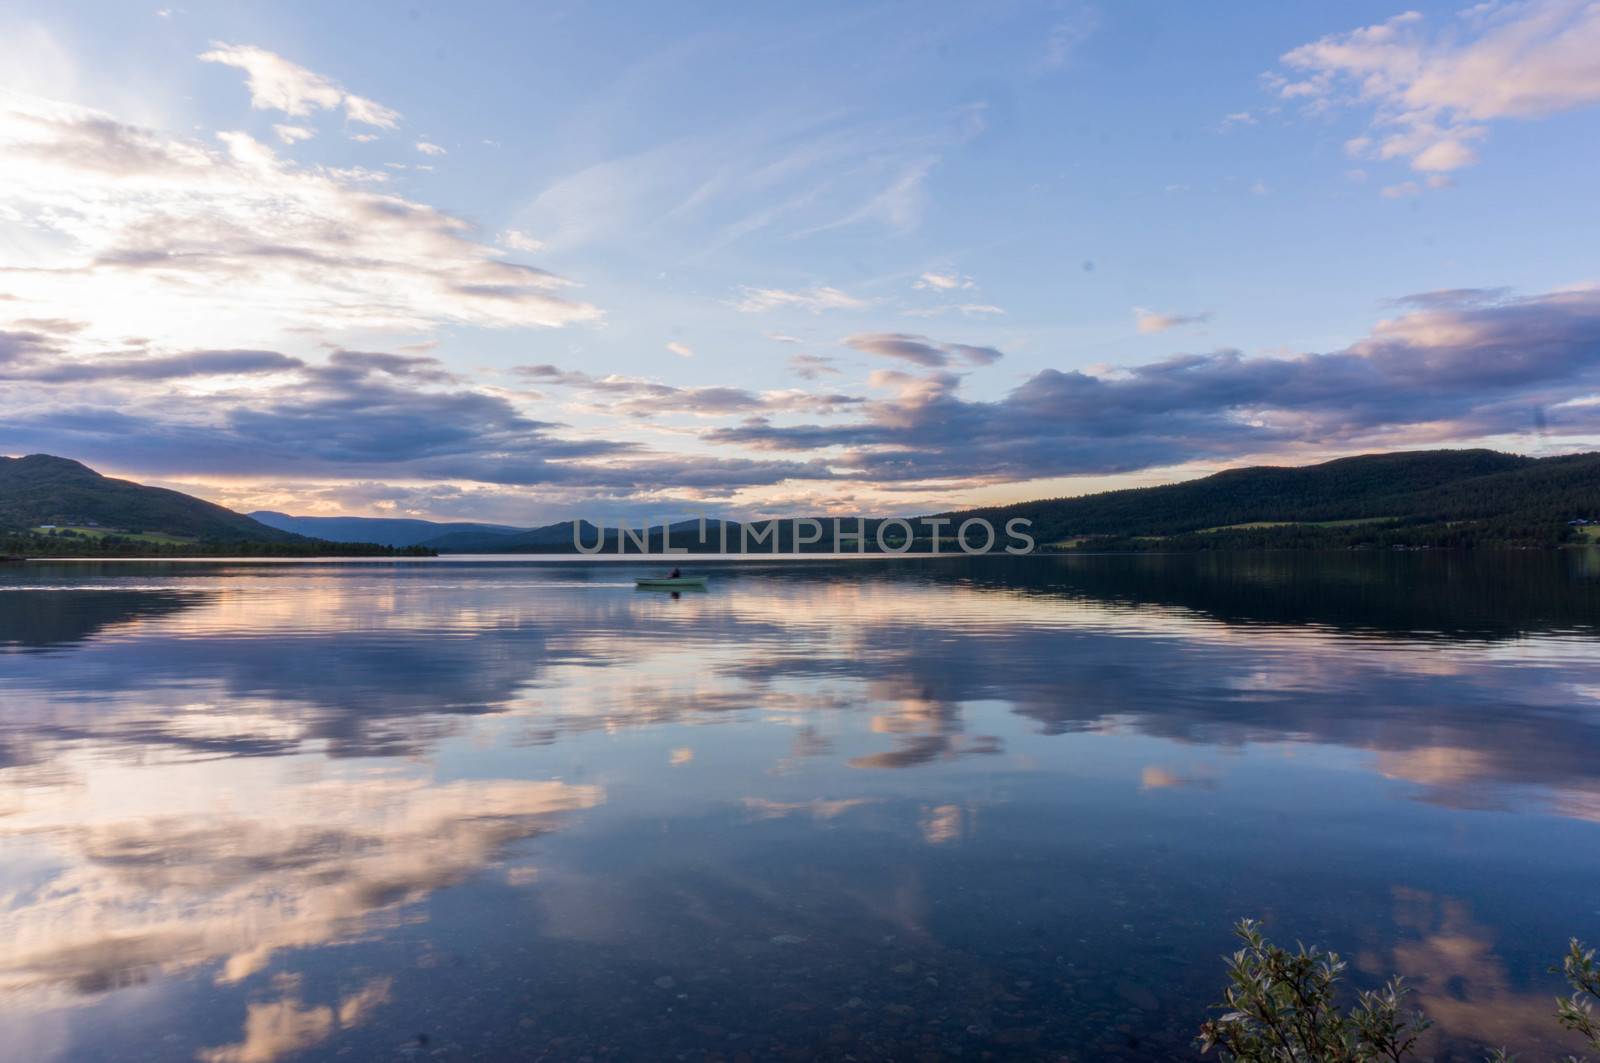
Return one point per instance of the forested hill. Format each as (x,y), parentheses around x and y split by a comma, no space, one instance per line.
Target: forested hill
(41,489)
(1437,497)
(56,507)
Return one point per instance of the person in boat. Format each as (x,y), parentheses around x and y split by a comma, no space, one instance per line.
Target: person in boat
(675,574)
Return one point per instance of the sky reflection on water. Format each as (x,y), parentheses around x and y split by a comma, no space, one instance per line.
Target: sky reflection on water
(257,812)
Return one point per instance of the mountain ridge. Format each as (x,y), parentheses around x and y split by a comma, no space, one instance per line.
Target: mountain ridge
(41,489)
(386,531)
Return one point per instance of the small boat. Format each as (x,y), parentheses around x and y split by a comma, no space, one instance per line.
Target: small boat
(670,583)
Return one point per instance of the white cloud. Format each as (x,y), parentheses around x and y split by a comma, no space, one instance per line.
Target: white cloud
(944,282)
(1150,321)
(517,240)
(367,112)
(967,309)
(816,300)
(1433,93)
(293,134)
(682,350)
(198,245)
(237,886)
(276,84)
(430,149)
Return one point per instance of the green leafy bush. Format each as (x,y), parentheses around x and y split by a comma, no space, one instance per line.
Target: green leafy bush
(1283,1007)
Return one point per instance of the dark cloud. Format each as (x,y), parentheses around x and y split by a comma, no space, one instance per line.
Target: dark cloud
(812,366)
(920,350)
(170,367)
(364,414)
(1461,368)
(15,344)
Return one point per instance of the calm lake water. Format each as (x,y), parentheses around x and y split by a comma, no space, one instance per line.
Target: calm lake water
(966,808)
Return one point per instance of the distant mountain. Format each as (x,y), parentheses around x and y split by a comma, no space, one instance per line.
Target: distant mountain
(557,538)
(40,489)
(387,531)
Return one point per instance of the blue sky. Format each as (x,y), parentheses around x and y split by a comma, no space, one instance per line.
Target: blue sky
(837,256)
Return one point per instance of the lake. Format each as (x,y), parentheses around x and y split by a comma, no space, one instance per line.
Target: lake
(975,808)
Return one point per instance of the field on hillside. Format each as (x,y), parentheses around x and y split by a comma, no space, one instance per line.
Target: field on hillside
(100,533)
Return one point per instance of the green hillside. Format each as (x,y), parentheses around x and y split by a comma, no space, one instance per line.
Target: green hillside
(1422,498)
(43,490)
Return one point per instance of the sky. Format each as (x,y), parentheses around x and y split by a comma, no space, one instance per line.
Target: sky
(529,261)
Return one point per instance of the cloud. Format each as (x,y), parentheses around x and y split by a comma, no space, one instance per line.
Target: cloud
(366,415)
(634,397)
(943,282)
(682,350)
(920,350)
(293,134)
(170,367)
(428,148)
(965,309)
(1452,366)
(200,246)
(1432,92)
(812,366)
(1064,38)
(328,862)
(793,172)
(17,344)
(280,1027)
(1148,321)
(815,300)
(276,84)
(520,241)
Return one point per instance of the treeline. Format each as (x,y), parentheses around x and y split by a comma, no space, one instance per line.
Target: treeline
(30,544)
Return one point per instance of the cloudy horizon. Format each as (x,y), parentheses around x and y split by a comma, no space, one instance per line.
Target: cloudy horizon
(529,265)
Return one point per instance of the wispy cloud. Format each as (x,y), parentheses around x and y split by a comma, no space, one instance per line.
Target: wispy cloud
(812,366)
(920,350)
(429,148)
(636,397)
(519,241)
(813,300)
(943,282)
(276,84)
(965,309)
(1148,321)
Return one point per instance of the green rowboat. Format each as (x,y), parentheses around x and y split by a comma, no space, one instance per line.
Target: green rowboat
(682,583)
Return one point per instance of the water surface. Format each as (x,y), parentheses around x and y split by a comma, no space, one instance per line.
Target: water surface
(958,808)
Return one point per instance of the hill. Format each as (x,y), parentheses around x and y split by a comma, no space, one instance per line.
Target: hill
(44,490)
(1435,497)
(389,531)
